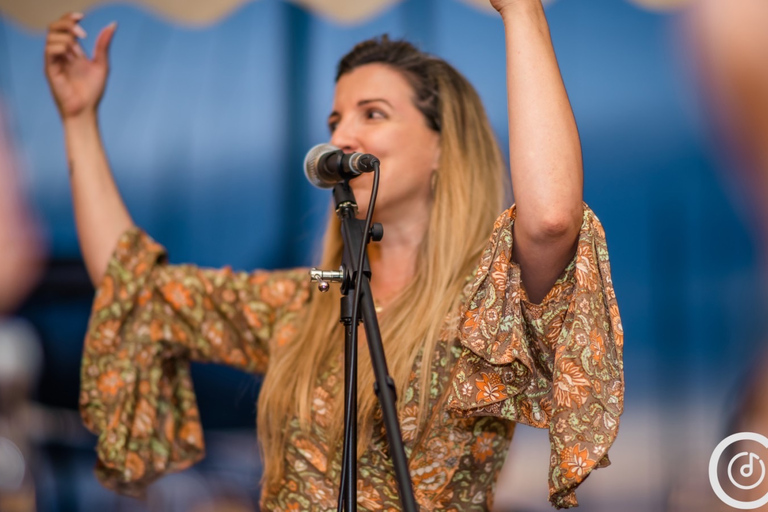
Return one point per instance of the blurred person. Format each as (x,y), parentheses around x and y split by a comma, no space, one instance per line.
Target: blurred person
(21,249)
(20,268)
(498,332)
(729,41)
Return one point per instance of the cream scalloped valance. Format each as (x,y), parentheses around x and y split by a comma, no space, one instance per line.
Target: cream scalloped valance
(37,14)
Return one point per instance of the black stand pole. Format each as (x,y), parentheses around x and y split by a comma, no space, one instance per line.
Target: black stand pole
(353,236)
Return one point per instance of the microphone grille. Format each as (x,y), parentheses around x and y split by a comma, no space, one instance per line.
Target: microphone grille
(312,163)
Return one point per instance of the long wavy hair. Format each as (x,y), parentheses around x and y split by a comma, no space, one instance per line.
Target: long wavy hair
(469,193)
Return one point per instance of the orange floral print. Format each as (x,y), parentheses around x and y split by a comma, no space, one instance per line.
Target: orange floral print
(144,419)
(177,295)
(314,454)
(169,429)
(214,333)
(178,333)
(144,297)
(321,407)
(490,388)
(577,336)
(134,466)
(597,346)
(493,365)
(191,433)
(320,493)
(110,383)
(259,278)
(499,274)
(431,476)
(576,462)
(140,268)
(616,324)
(235,357)
(586,274)
(105,294)
(483,446)
(229,295)
(474,318)
(409,423)
(572,385)
(252,316)
(554,328)
(157,330)
(279,293)
(368,497)
(106,335)
(284,334)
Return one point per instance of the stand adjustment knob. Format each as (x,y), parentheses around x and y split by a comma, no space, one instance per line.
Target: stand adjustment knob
(324,277)
(377,232)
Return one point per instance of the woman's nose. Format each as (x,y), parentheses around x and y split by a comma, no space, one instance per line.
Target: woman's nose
(344,137)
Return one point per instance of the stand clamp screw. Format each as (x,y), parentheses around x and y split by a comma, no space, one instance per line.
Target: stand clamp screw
(323,277)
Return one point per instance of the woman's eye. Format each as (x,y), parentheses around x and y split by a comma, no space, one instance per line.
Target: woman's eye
(332,126)
(374,114)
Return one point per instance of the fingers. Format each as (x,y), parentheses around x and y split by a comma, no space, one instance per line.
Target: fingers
(59,44)
(68,23)
(63,35)
(103,41)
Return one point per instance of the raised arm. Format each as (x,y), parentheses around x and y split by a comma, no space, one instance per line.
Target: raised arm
(544,148)
(77,84)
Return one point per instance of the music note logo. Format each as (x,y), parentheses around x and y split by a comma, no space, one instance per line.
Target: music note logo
(750,467)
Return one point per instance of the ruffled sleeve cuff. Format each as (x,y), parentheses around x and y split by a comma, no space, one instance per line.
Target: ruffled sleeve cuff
(555,365)
(135,394)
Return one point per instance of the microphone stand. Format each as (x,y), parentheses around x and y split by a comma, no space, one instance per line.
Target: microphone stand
(353,236)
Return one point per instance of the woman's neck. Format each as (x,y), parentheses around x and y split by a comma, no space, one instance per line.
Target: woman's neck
(393,259)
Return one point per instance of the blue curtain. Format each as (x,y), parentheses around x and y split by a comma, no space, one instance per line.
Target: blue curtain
(206,129)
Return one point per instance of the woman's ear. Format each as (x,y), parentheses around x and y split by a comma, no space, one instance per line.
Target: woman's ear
(436,161)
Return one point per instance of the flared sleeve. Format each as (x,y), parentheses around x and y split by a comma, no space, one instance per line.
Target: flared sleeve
(555,365)
(149,319)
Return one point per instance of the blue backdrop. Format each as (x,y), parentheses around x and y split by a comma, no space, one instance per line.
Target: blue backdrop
(206,129)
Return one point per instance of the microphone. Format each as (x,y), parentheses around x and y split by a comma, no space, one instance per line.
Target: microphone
(326,165)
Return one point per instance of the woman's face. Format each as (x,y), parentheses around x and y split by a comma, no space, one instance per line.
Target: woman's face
(373,112)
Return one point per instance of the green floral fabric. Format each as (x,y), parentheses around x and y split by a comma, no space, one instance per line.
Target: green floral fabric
(499,360)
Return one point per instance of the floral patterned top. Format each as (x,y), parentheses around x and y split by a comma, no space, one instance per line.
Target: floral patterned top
(500,360)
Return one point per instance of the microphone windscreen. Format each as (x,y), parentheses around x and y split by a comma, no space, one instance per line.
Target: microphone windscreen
(312,164)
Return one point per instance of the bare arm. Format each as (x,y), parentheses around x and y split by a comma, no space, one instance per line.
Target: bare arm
(100,214)
(544,147)
(77,84)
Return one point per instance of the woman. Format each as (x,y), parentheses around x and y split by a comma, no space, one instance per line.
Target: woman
(511,332)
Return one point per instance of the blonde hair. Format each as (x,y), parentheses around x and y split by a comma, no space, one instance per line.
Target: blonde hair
(470,192)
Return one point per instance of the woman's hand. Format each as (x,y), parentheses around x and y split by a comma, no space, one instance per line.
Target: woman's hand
(501,5)
(77,82)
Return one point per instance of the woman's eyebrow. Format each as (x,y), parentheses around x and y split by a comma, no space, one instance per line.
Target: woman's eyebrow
(362,103)
(372,100)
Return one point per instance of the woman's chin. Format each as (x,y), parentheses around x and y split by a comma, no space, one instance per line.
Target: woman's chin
(362,192)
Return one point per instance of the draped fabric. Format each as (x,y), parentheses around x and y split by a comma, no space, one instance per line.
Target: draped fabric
(500,360)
